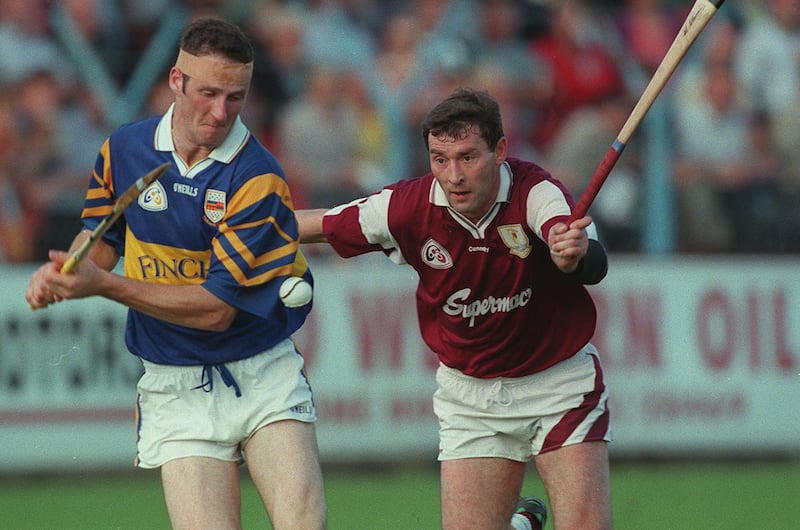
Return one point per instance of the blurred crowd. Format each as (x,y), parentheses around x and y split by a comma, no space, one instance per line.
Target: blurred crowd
(340,87)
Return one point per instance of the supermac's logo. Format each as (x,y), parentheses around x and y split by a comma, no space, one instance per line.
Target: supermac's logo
(434,255)
(154,198)
(214,205)
(515,239)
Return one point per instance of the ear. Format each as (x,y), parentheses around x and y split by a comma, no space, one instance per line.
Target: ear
(176,80)
(501,150)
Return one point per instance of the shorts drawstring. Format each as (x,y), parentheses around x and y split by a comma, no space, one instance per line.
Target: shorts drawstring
(502,393)
(207,378)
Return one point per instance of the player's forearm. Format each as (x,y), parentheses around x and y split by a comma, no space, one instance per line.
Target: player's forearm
(186,305)
(102,254)
(309,224)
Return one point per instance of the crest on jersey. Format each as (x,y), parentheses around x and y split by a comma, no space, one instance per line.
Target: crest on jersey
(434,255)
(214,205)
(154,198)
(515,239)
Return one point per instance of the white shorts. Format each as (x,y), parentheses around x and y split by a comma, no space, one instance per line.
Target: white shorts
(190,411)
(519,418)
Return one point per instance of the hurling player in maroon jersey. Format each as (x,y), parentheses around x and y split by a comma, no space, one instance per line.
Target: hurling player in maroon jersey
(502,302)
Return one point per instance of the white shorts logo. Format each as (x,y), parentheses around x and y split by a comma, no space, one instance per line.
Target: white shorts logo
(154,198)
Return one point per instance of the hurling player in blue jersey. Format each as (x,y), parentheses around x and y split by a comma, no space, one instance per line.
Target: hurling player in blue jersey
(205,250)
(501,301)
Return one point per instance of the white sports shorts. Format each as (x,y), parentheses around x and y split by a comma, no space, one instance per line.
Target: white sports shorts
(519,418)
(191,411)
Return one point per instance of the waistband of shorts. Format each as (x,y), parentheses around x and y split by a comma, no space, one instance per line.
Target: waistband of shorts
(156,368)
(562,366)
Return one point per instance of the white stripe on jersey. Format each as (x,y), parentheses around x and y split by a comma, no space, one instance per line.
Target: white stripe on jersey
(545,201)
(373,218)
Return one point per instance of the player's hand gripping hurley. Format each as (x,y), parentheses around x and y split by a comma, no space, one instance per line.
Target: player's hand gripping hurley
(698,17)
(123,201)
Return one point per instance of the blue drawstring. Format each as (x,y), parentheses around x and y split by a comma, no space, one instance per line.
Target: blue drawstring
(207,379)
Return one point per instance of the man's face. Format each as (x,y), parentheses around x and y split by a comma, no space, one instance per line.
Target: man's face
(205,110)
(468,171)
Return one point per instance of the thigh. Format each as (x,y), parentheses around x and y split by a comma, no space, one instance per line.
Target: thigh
(576,479)
(480,493)
(202,492)
(283,461)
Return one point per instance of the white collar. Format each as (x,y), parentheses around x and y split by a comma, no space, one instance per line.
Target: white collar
(225,152)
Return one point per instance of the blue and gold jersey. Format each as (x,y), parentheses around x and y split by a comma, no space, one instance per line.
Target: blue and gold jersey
(226,223)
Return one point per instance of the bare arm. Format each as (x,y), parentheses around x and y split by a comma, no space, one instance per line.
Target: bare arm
(39,293)
(309,223)
(186,305)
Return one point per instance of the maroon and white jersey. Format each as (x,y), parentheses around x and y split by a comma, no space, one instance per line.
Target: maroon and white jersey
(490,301)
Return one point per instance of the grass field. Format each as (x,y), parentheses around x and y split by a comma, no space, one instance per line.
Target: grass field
(685,496)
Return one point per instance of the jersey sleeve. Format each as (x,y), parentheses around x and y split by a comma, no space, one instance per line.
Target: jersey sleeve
(257,247)
(100,198)
(362,226)
(547,204)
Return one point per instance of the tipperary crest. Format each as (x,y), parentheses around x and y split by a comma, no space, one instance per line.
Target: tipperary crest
(214,205)
(515,239)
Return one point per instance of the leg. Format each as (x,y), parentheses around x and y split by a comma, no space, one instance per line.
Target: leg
(576,478)
(202,492)
(480,493)
(283,461)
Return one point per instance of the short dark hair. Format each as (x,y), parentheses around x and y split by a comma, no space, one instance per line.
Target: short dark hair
(460,111)
(214,36)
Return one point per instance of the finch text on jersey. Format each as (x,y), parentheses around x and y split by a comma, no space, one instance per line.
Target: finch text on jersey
(456,304)
(152,268)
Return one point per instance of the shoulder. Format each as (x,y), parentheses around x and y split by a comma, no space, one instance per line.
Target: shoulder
(143,129)
(255,159)
(528,174)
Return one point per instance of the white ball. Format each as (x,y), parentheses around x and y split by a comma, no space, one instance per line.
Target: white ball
(295,292)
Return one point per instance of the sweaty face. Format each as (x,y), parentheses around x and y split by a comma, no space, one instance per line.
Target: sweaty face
(468,171)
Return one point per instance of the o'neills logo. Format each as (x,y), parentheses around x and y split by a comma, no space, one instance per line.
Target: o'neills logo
(457,304)
(434,255)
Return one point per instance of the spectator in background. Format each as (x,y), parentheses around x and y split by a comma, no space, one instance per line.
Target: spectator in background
(371,146)
(725,174)
(767,60)
(583,69)
(395,79)
(281,65)
(16,238)
(318,142)
(100,24)
(61,128)
(647,29)
(25,42)
(522,81)
(768,65)
(573,155)
(337,35)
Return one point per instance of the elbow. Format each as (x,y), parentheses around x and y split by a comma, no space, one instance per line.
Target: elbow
(219,319)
